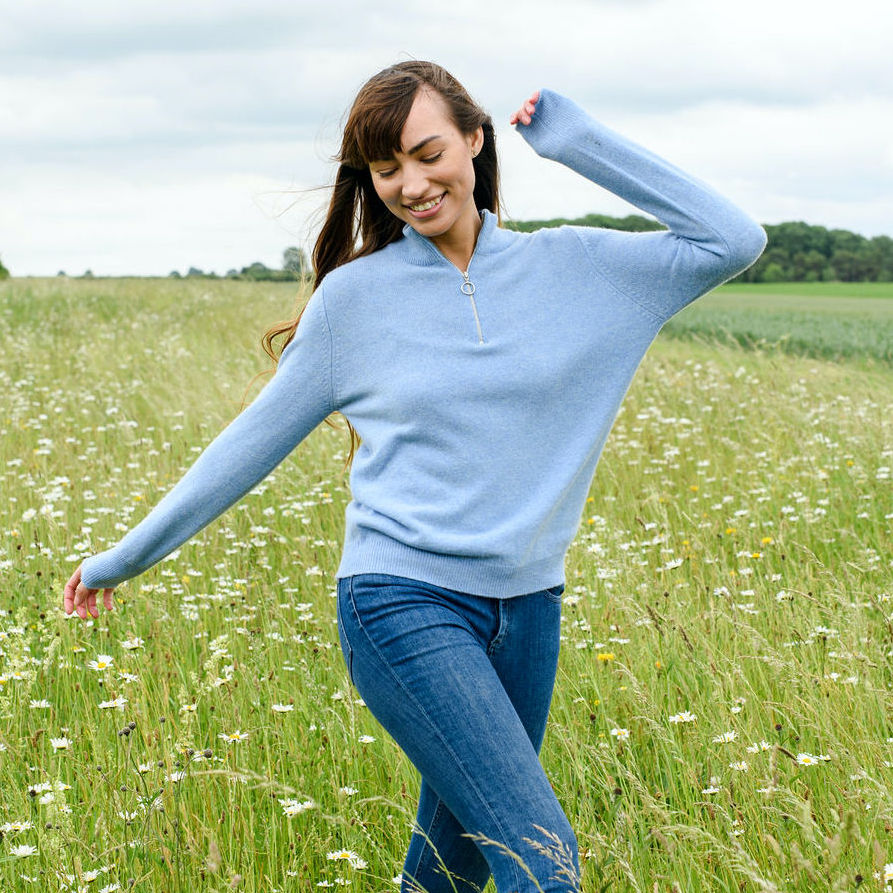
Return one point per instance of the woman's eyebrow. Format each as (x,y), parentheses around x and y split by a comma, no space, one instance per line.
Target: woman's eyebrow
(422,144)
(416,148)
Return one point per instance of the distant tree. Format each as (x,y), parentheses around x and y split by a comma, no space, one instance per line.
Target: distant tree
(88,274)
(61,273)
(255,271)
(174,274)
(847,265)
(774,273)
(882,249)
(808,266)
(194,272)
(294,260)
(232,274)
(4,273)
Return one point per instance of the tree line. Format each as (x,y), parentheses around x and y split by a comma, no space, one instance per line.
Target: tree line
(295,267)
(795,252)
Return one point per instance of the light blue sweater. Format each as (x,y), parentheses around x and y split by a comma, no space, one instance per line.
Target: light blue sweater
(482,416)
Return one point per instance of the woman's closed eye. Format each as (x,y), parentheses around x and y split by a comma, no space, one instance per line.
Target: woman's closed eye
(384,173)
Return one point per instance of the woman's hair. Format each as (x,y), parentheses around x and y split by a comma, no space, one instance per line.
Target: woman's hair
(357,222)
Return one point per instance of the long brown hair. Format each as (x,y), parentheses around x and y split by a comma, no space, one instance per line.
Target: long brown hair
(357,222)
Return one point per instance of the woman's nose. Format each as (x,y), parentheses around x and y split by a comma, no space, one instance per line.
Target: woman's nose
(415,183)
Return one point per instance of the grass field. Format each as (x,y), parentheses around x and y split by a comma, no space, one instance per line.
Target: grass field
(723,717)
(831,320)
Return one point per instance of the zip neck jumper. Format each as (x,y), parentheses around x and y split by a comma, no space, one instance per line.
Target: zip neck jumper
(483,397)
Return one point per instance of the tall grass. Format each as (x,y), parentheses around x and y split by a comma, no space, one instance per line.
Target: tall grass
(723,717)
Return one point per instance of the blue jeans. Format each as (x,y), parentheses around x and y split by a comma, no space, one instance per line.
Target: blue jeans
(463,684)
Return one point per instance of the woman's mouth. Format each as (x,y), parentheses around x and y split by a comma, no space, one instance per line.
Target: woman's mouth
(428,208)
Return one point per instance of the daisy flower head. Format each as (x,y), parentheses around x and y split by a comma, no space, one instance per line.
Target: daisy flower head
(806,759)
(366,739)
(102,662)
(348,856)
(118,703)
(233,736)
(683,716)
(725,737)
(12,827)
(291,806)
(23,849)
(620,734)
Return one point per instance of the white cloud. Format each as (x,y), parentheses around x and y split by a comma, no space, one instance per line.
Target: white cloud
(148,136)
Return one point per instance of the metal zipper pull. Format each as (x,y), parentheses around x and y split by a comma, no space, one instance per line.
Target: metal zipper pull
(467,288)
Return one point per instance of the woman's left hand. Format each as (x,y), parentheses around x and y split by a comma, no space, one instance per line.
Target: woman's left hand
(81,599)
(525,113)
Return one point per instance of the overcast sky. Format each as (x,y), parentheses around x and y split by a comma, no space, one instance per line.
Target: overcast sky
(145,137)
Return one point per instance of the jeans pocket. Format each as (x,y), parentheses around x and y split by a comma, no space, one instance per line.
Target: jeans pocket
(554,593)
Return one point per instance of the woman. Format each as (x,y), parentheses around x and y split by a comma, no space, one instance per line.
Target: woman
(482,370)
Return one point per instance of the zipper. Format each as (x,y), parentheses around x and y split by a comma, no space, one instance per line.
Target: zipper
(467,288)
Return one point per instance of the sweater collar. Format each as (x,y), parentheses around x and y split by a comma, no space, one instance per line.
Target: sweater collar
(422,251)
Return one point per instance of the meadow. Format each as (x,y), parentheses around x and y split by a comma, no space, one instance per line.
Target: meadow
(723,716)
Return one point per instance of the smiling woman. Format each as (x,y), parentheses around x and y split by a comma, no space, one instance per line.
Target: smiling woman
(405,118)
(430,185)
(482,369)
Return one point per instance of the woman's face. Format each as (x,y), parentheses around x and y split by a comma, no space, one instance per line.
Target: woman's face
(429,183)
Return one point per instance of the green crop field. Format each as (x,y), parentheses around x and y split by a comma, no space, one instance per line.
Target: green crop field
(832,320)
(723,717)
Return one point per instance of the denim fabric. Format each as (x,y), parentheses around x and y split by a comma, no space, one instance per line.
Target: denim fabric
(463,684)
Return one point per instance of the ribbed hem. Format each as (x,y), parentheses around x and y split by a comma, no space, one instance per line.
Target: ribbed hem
(373,553)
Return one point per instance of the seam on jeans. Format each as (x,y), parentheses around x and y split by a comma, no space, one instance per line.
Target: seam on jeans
(426,845)
(497,640)
(446,744)
(348,657)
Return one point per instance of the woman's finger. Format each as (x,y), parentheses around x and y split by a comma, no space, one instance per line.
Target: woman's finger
(70,588)
(524,114)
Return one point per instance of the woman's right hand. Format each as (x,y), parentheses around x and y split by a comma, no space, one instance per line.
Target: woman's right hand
(81,599)
(524,114)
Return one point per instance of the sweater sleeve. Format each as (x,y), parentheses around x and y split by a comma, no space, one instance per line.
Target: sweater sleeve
(298,397)
(709,240)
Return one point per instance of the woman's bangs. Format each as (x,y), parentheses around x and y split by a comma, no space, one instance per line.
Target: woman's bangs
(381,123)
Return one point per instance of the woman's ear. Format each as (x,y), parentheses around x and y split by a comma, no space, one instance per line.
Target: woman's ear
(476,142)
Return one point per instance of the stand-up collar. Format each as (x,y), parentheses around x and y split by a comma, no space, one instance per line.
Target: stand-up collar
(421,250)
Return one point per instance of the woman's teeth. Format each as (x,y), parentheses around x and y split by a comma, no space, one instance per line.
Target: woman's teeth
(425,206)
